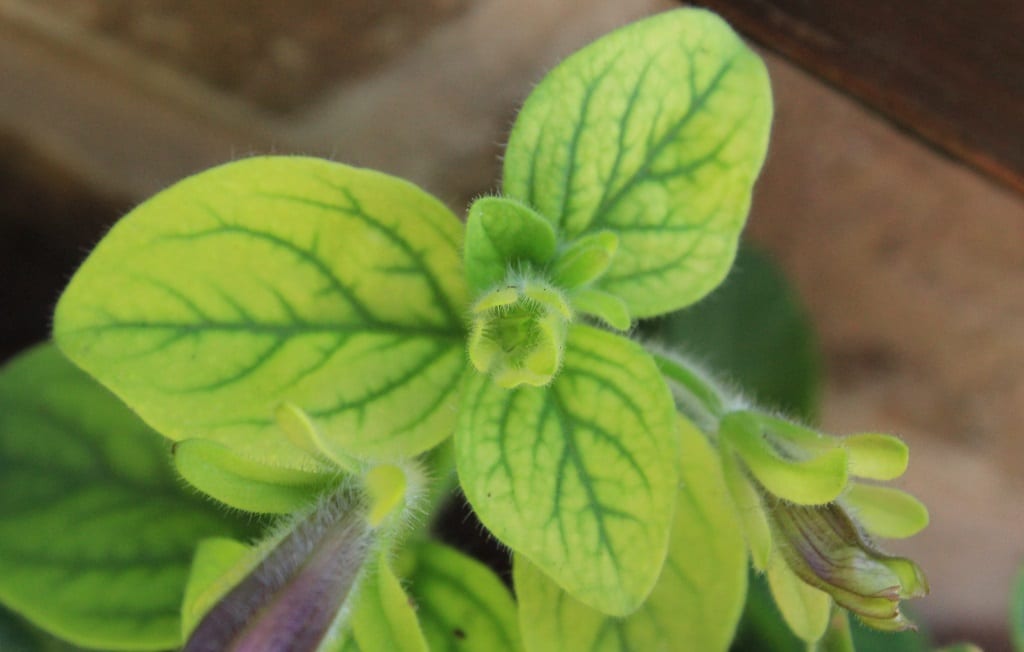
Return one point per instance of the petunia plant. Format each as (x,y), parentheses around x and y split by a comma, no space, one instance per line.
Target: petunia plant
(325,343)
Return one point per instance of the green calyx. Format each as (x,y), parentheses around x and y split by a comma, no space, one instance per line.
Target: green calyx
(518,333)
(808,519)
(825,548)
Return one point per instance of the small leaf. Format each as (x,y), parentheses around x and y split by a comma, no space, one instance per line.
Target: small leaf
(503,234)
(876,457)
(585,259)
(219,565)
(698,599)
(886,512)
(805,608)
(462,605)
(383,617)
(751,508)
(304,434)
(271,280)
(607,307)
(385,487)
(867,639)
(241,483)
(813,481)
(96,530)
(655,132)
(579,477)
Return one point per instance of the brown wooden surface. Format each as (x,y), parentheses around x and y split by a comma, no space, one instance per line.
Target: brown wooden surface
(950,70)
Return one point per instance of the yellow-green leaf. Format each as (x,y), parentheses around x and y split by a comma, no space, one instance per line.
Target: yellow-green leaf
(655,132)
(698,599)
(96,530)
(219,565)
(273,280)
(504,235)
(461,604)
(815,480)
(241,483)
(383,618)
(805,608)
(580,477)
(886,512)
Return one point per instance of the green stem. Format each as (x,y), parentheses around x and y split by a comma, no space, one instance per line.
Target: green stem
(702,393)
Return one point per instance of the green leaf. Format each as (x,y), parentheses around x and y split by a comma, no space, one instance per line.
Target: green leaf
(1017,611)
(273,280)
(580,476)
(813,481)
(236,481)
(383,618)
(462,605)
(96,531)
(502,235)
(585,260)
(219,564)
(747,498)
(886,512)
(607,307)
(876,456)
(762,626)
(655,132)
(698,599)
(754,331)
(805,608)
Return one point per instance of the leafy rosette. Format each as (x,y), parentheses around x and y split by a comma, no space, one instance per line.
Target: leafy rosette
(627,181)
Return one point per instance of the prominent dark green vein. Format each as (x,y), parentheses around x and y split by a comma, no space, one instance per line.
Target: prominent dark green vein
(624,120)
(573,145)
(697,104)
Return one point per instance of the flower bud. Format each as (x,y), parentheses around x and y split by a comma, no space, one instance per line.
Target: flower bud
(518,333)
(825,548)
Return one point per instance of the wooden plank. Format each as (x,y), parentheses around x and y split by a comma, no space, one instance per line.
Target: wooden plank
(951,71)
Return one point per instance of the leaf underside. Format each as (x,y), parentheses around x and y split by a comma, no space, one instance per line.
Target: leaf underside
(278,279)
(461,604)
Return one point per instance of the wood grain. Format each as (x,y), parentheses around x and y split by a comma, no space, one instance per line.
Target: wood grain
(950,71)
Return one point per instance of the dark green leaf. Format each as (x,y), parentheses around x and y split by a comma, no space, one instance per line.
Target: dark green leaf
(96,531)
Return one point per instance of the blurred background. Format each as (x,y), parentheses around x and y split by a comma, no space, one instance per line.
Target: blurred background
(910,263)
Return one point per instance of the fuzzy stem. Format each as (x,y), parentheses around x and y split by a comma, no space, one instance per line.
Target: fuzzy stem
(293,596)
